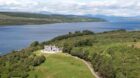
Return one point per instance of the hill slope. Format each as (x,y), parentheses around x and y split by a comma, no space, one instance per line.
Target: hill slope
(114,54)
(17,18)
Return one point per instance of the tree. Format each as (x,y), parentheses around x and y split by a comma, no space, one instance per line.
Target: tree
(81,43)
(34,44)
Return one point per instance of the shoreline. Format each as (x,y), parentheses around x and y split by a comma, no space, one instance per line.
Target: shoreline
(50,23)
(5,53)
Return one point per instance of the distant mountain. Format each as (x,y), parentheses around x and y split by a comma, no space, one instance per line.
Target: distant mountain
(44,12)
(116,18)
(14,18)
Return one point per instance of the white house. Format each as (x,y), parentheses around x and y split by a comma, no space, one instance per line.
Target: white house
(51,49)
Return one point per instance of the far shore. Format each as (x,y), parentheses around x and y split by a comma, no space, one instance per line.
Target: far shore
(45,23)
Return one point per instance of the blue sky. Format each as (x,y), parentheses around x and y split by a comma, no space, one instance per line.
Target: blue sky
(77,7)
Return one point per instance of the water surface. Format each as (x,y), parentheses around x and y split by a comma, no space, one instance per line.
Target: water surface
(17,37)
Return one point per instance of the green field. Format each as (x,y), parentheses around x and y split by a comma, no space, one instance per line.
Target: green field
(61,66)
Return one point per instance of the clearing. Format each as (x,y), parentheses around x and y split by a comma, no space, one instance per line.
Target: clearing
(61,66)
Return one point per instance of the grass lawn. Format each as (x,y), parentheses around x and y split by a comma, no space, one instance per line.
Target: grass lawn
(61,66)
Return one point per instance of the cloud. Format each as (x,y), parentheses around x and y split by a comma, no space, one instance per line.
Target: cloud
(102,7)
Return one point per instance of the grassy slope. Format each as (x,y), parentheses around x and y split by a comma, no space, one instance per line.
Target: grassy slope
(61,66)
(113,53)
(12,18)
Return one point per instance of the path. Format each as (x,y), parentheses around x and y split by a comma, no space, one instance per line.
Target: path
(90,68)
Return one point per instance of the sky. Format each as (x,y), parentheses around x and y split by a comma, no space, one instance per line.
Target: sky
(126,8)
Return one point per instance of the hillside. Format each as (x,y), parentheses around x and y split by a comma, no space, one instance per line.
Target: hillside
(114,54)
(19,18)
(31,63)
